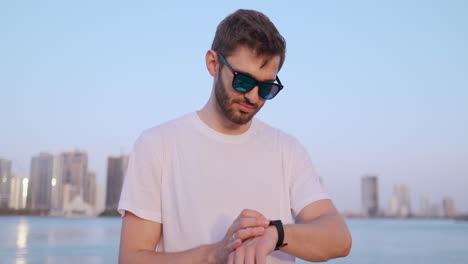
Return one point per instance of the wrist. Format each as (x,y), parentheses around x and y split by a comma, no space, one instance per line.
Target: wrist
(272,232)
(211,254)
(287,233)
(278,225)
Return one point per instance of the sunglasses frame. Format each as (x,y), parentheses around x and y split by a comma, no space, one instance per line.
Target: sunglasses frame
(259,83)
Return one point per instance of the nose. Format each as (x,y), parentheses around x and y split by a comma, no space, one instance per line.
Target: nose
(252,95)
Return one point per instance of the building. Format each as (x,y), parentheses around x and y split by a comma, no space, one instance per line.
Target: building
(18,192)
(400,203)
(56,196)
(448,206)
(75,207)
(89,188)
(370,195)
(116,169)
(40,182)
(74,175)
(426,206)
(90,191)
(100,198)
(5,182)
(40,179)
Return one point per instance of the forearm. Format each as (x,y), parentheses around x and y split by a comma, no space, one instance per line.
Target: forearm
(319,240)
(203,254)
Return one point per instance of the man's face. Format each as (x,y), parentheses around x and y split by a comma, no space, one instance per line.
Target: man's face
(239,107)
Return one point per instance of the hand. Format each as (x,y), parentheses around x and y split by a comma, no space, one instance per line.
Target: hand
(248,224)
(255,250)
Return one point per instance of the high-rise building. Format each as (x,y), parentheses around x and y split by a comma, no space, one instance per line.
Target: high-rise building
(90,190)
(5,182)
(74,172)
(400,203)
(449,207)
(56,196)
(40,182)
(116,169)
(100,198)
(426,206)
(370,195)
(18,192)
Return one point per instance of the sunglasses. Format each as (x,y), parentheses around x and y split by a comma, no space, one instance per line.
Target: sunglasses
(243,82)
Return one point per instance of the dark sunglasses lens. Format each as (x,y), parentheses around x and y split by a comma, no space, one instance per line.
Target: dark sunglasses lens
(243,83)
(268,91)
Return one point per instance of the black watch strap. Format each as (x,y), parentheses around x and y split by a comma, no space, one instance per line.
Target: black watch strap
(279,226)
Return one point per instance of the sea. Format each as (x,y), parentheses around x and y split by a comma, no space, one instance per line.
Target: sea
(47,240)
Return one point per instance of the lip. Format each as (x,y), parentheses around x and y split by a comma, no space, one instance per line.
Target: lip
(245,108)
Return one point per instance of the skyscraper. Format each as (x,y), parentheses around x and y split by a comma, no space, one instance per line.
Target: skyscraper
(449,207)
(426,206)
(74,172)
(56,196)
(370,195)
(5,182)
(400,203)
(116,169)
(40,182)
(19,192)
(90,190)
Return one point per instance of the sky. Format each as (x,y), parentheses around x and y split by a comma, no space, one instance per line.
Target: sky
(371,87)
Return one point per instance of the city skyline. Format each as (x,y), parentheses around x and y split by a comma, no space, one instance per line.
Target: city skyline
(62,185)
(369,88)
(45,191)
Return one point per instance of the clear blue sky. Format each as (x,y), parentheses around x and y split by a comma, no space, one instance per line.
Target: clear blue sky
(370,86)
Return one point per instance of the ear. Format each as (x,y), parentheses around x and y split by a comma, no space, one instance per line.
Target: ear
(212,61)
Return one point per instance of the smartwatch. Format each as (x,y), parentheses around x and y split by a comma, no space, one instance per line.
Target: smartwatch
(279,227)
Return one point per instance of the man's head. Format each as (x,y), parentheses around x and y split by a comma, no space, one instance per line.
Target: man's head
(251,29)
(252,45)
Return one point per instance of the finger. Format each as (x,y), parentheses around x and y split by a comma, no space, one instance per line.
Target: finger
(234,244)
(249,257)
(250,213)
(246,222)
(230,259)
(247,233)
(260,258)
(239,255)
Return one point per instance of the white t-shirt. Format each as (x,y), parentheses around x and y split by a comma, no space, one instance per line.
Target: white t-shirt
(195,180)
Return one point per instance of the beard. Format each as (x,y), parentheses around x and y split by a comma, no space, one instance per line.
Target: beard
(226,101)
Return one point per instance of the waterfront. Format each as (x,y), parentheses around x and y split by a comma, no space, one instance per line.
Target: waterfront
(43,240)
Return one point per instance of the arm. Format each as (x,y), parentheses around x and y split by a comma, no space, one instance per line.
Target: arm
(139,238)
(138,242)
(321,234)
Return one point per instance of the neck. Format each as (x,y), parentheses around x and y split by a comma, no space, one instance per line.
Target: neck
(213,117)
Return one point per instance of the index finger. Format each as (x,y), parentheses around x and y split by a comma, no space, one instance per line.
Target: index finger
(250,213)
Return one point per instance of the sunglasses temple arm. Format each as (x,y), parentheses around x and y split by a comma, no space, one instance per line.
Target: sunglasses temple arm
(224,61)
(278,80)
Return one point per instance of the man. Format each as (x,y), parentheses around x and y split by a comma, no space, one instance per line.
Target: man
(219,186)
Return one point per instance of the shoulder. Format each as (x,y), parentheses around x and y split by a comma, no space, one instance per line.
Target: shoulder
(167,128)
(163,132)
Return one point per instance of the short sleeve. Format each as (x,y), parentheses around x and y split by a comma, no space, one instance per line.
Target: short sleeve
(141,191)
(305,186)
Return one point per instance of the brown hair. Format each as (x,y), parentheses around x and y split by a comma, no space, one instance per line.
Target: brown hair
(252,29)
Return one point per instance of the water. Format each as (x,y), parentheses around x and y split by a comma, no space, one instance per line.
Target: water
(40,240)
